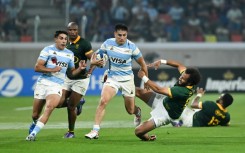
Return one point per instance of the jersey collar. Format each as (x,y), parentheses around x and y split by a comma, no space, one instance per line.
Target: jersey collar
(76,40)
(221,108)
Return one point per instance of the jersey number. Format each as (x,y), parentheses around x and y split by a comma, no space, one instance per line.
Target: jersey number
(214,121)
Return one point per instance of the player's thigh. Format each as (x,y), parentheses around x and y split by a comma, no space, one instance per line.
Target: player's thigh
(74,99)
(143,94)
(39,98)
(53,96)
(107,93)
(65,95)
(52,101)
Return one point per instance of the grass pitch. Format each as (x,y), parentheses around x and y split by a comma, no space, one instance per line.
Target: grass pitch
(117,133)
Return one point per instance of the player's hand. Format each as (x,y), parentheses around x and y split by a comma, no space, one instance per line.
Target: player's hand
(141,73)
(56,69)
(96,62)
(200,91)
(155,64)
(99,63)
(82,65)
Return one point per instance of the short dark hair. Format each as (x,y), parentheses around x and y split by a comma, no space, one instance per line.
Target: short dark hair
(58,32)
(227,99)
(72,24)
(121,26)
(195,76)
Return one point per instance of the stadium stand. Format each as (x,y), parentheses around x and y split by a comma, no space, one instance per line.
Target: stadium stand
(219,18)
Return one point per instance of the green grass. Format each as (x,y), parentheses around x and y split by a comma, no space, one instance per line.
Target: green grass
(15,117)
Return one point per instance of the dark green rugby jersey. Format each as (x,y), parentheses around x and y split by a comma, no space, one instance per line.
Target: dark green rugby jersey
(211,114)
(80,47)
(180,97)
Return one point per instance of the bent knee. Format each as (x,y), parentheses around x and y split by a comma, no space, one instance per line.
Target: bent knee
(103,102)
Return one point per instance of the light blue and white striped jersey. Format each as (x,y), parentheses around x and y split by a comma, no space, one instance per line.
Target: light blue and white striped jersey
(55,57)
(120,58)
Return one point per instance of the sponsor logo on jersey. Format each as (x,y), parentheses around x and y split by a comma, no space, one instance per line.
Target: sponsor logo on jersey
(62,64)
(118,60)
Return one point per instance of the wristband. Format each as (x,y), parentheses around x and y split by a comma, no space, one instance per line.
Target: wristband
(145,79)
(199,95)
(163,61)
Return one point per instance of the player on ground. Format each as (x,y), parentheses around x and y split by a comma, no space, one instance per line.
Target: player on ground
(53,62)
(207,113)
(121,52)
(167,103)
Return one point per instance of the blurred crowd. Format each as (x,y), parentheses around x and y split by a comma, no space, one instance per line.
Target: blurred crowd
(13,20)
(164,20)
(148,20)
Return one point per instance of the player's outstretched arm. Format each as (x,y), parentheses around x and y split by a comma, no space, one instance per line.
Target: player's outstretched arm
(195,101)
(172,63)
(153,85)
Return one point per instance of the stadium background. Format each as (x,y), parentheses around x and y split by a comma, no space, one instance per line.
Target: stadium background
(196,33)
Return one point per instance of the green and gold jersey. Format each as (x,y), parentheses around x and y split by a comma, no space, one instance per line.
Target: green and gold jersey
(180,97)
(80,47)
(211,114)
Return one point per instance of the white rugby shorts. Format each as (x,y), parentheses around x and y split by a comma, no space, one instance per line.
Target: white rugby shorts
(127,88)
(158,114)
(187,116)
(42,90)
(80,86)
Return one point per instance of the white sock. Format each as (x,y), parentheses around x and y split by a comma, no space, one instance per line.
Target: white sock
(37,128)
(96,128)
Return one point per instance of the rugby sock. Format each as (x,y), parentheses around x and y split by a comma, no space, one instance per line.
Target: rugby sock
(96,128)
(38,127)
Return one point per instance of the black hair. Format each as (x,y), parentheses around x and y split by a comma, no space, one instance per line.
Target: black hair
(57,33)
(121,26)
(195,76)
(227,99)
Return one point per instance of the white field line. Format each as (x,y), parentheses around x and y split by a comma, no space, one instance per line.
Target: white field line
(30,108)
(61,125)
(23,108)
(79,124)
